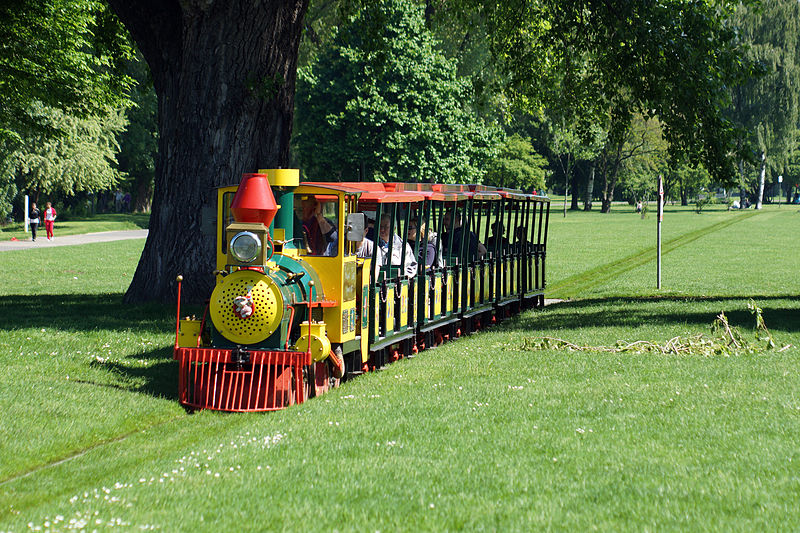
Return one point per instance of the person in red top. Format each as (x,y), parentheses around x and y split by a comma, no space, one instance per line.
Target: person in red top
(49,219)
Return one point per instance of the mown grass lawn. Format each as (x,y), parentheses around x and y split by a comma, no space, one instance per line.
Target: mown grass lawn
(478,434)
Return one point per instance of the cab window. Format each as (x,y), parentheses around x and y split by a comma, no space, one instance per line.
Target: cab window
(317,224)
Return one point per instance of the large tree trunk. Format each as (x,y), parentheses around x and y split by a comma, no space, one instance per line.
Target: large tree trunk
(608,195)
(574,206)
(762,173)
(587,199)
(143,197)
(610,179)
(224,73)
(567,170)
(742,192)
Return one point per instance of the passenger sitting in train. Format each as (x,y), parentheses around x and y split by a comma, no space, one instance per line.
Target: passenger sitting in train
(429,254)
(497,243)
(366,249)
(476,248)
(521,236)
(319,233)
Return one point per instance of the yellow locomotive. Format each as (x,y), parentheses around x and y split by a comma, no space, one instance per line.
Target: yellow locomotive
(319,282)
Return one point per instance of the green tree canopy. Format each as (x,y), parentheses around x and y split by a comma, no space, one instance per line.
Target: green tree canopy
(517,165)
(82,158)
(383,103)
(139,142)
(686,180)
(66,54)
(767,107)
(648,158)
(671,59)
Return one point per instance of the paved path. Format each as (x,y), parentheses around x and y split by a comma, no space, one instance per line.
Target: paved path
(68,240)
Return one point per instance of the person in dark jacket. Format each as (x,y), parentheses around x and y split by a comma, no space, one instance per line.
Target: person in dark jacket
(33,218)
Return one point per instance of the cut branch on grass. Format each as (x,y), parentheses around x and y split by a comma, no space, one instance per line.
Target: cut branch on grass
(725,340)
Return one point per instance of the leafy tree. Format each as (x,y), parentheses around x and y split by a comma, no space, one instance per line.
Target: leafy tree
(139,141)
(463,35)
(687,180)
(640,138)
(648,158)
(65,54)
(388,105)
(767,107)
(517,166)
(673,60)
(80,159)
(570,145)
(564,143)
(791,176)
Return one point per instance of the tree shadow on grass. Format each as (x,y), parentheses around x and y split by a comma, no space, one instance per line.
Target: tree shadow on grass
(85,312)
(636,312)
(159,379)
(81,314)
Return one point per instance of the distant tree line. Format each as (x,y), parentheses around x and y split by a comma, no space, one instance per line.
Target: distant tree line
(393,90)
(588,98)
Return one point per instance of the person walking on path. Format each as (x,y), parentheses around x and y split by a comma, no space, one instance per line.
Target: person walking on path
(33,217)
(49,219)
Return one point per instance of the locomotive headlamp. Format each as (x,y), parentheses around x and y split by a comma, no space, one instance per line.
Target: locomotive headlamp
(245,246)
(248,244)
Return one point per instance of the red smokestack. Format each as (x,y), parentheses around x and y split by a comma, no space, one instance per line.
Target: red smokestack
(254,201)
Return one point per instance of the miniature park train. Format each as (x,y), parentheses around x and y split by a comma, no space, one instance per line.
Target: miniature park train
(301,302)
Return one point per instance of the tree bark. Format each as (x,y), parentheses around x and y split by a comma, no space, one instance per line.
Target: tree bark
(574,206)
(762,173)
(742,191)
(224,73)
(610,178)
(567,169)
(587,199)
(143,196)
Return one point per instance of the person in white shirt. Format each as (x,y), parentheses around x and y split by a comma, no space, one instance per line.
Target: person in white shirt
(49,220)
(367,246)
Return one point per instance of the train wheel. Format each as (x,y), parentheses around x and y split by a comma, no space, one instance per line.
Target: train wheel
(322,376)
(309,377)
